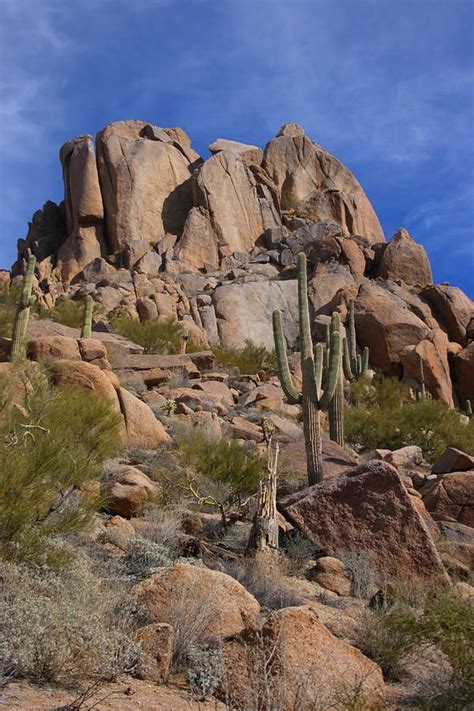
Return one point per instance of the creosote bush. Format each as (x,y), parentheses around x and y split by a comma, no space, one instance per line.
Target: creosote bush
(385,416)
(51,443)
(162,337)
(64,627)
(66,312)
(248,360)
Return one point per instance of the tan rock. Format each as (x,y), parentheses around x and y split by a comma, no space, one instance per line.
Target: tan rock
(91,349)
(244,429)
(86,376)
(434,354)
(250,154)
(405,457)
(405,260)
(452,460)
(118,531)
(353,256)
(206,422)
(227,189)
(143,429)
(368,510)
(223,605)
(452,308)
(145,183)
(300,168)
(234,302)
(128,492)
(84,244)
(48,348)
(330,281)
(157,642)
(464,369)
(218,390)
(331,574)
(300,664)
(82,195)
(197,248)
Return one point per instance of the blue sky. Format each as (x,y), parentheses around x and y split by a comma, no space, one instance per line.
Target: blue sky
(385,85)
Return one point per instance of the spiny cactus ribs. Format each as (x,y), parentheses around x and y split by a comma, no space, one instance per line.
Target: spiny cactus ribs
(25,302)
(319,383)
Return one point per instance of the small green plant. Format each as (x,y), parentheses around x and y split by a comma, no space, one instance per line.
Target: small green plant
(8,306)
(386,416)
(248,360)
(161,337)
(52,442)
(25,301)
(66,312)
(144,557)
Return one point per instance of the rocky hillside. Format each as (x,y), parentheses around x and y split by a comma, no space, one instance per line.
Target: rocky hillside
(149,228)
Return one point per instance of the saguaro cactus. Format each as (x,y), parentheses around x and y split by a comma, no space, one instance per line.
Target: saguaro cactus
(317,391)
(468,411)
(86,330)
(421,393)
(354,365)
(25,302)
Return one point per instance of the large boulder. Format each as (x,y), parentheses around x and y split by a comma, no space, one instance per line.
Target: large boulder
(189,594)
(328,280)
(227,189)
(453,310)
(244,311)
(385,324)
(451,497)
(82,195)
(128,491)
(145,181)
(87,376)
(452,460)
(143,429)
(300,664)
(252,155)
(464,369)
(405,260)
(433,351)
(197,249)
(302,170)
(367,510)
(50,348)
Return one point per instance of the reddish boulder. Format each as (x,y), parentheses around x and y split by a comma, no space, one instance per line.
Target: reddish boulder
(142,427)
(464,369)
(452,460)
(451,497)
(434,353)
(452,308)
(369,510)
(405,260)
(128,491)
(157,642)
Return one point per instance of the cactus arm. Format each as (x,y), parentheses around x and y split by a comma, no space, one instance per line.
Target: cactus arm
(365,359)
(86,331)
(422,378)
(358,366)
(25,301)
(333,369)
(351,336)
(303,305)
(292,395)
(319,364)
(468,408)
(346,361)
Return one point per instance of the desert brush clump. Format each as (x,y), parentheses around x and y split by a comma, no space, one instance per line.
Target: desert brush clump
(164,336)
(52,442)
(248,360)
(319,383)
(385,415)
(62,627)
(69,312)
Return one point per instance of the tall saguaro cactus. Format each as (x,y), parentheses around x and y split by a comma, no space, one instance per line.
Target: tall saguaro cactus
(25,303)
(317,391)
(354,365)
(86,330)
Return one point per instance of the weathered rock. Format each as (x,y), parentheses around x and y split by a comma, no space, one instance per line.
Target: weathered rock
(464,369)
(453,309)
(461,538)
(128,492)
(83,245)
(405,260)
(182,593)
(82,196)
(300,664)
(84,375)
(434,354)
(331,574)
(327,281)
(157,641)
(217,390)
(197,249)
(49,348)
(250,154)
(145,183)
(300,168)
(234,302)
(405,457)
(118,531)
(336,460)
(149,265)
(451,498)
(143,429)
(452,460)
(227,189)
(367,510)
(206,422)
(386,325)
(244,429)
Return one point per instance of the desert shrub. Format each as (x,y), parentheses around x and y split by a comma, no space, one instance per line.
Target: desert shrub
(385,416)
(66,312)
(8,303)
(361,571)
(299,550)
(204,670)
(248,360)
(144,557)
(163,336)
(53,441)
(443,618)
(265,578)
(62,627)
(163,526)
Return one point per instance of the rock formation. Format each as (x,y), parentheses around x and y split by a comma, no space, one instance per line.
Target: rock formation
(149,228)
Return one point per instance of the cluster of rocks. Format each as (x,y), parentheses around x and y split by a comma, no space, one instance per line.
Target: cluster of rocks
(149,228)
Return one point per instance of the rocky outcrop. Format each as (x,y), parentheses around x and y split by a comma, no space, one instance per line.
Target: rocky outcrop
(451,497)
(367,510)
(314,183)
(405,260)
(464,370)
(145,180)
(453,310)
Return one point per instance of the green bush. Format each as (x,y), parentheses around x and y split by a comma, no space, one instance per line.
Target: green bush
(8,302)
(66,312)
(64,627)
(51,442)
(163,337)
(385,416)
(248,360)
